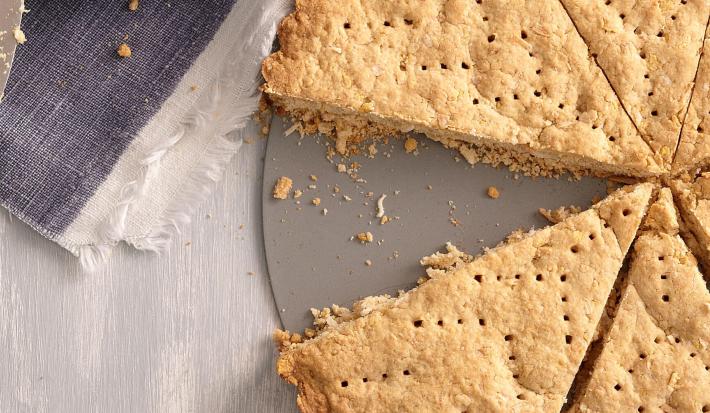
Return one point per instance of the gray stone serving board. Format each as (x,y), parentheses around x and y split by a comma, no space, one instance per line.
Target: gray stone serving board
(311,258)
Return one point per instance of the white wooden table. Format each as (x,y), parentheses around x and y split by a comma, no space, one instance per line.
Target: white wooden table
(188,331)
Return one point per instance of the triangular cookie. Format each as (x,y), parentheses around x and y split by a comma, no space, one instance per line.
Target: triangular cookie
(512,77)
(649,50)
(693,199)
(694,148)
(505,332)
(656,356)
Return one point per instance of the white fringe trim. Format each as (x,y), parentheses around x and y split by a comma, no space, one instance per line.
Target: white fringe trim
(226,133)
(195,190)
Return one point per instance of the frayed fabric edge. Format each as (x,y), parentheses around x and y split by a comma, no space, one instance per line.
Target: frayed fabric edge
(196,191)
(227,139)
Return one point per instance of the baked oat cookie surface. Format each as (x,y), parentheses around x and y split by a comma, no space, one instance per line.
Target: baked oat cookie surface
(694,148)
(504,332)
(655,356)
(649,51)
(693,200)
(512,76)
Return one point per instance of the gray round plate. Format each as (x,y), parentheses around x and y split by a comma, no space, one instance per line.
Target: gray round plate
(313,260)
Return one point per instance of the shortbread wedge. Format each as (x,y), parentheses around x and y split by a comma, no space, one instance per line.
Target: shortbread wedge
(506,82)
(505,332)
(655,357)
(649,51)
(694,148)
(693,200)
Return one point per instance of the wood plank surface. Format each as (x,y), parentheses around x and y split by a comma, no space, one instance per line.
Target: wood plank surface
(187,331)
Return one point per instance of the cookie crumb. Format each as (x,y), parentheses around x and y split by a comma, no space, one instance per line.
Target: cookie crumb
(365,237)
(313,178)
(297,194)
(372,150)
(316,201)
(324,211)
(342,168)
(410,145)
(385,219)
(132,5)
(559,214)
(292,129)
(347,198)
(124,50)
(493,192)
(282,187)
(19,35)
(368,263)
(380,206)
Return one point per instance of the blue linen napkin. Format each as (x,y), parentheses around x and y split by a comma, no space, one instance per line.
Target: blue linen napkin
(96,149)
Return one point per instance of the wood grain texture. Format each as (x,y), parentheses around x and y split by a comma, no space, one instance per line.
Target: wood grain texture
(188,331)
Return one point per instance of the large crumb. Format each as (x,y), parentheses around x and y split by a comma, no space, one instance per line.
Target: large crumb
(282,187)
(19,35)
(132,5)
(365,237)
(493,192)
(410,145)
(316,201)
(124,50)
